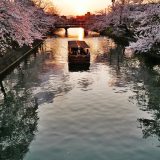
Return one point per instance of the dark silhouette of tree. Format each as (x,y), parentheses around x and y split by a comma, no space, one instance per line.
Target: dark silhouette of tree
(143,79)
(18,124)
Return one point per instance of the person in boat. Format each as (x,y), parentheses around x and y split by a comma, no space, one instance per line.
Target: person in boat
(74,51)
(87,51)
(78,48)
(82,51)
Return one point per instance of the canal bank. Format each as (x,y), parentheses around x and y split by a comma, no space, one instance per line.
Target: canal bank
(120,34)
(12,58)
(124,36)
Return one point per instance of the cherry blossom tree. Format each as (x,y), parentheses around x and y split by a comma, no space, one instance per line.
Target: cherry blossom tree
(118,14)
(21,22)
(143,19)
(148,30)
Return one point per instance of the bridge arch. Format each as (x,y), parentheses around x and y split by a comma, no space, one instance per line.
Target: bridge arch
(68,25)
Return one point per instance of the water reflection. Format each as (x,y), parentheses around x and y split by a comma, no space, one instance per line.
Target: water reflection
(18,123)
(147,98)
(76,33)
(90,109)
(79,67)
(143,79)
(2,89)
(18,112)
(80,34)
(19,101)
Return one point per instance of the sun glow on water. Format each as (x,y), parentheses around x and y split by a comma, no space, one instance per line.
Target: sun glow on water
(80,34)
(77,33)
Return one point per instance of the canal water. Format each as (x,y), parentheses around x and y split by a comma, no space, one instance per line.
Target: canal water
(108,110)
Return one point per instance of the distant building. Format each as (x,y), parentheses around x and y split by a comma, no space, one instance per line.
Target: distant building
(88,14)
(64,17)
(80,17)
(85,17)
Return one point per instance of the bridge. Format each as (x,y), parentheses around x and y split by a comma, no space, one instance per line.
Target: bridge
(68,25)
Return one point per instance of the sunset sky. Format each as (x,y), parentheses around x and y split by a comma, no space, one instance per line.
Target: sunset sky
(74,7)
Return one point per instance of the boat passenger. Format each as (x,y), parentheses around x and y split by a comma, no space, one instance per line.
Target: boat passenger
(87,51)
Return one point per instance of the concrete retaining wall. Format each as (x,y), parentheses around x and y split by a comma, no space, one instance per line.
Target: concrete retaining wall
(8,61)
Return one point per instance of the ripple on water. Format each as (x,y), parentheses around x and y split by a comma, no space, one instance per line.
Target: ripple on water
(83,114)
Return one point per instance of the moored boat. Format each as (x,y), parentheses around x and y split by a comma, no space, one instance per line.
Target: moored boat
(78,52)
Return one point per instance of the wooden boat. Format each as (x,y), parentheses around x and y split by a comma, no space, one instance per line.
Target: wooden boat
(79,67)
(78,52)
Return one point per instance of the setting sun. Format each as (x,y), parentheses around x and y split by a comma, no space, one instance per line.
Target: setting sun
(80,10)
(79,7)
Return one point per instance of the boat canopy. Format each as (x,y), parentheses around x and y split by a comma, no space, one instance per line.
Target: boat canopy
(77,44)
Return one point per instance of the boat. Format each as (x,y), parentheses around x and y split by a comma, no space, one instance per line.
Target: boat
(78,52)
(79,67)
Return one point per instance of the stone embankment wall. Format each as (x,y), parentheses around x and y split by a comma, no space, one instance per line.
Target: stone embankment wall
(10,59)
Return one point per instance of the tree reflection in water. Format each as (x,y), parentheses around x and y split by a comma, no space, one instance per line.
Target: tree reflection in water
(2,89)
(144,80)
(18,124)
(149,101)
(19,101)
(18,114)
